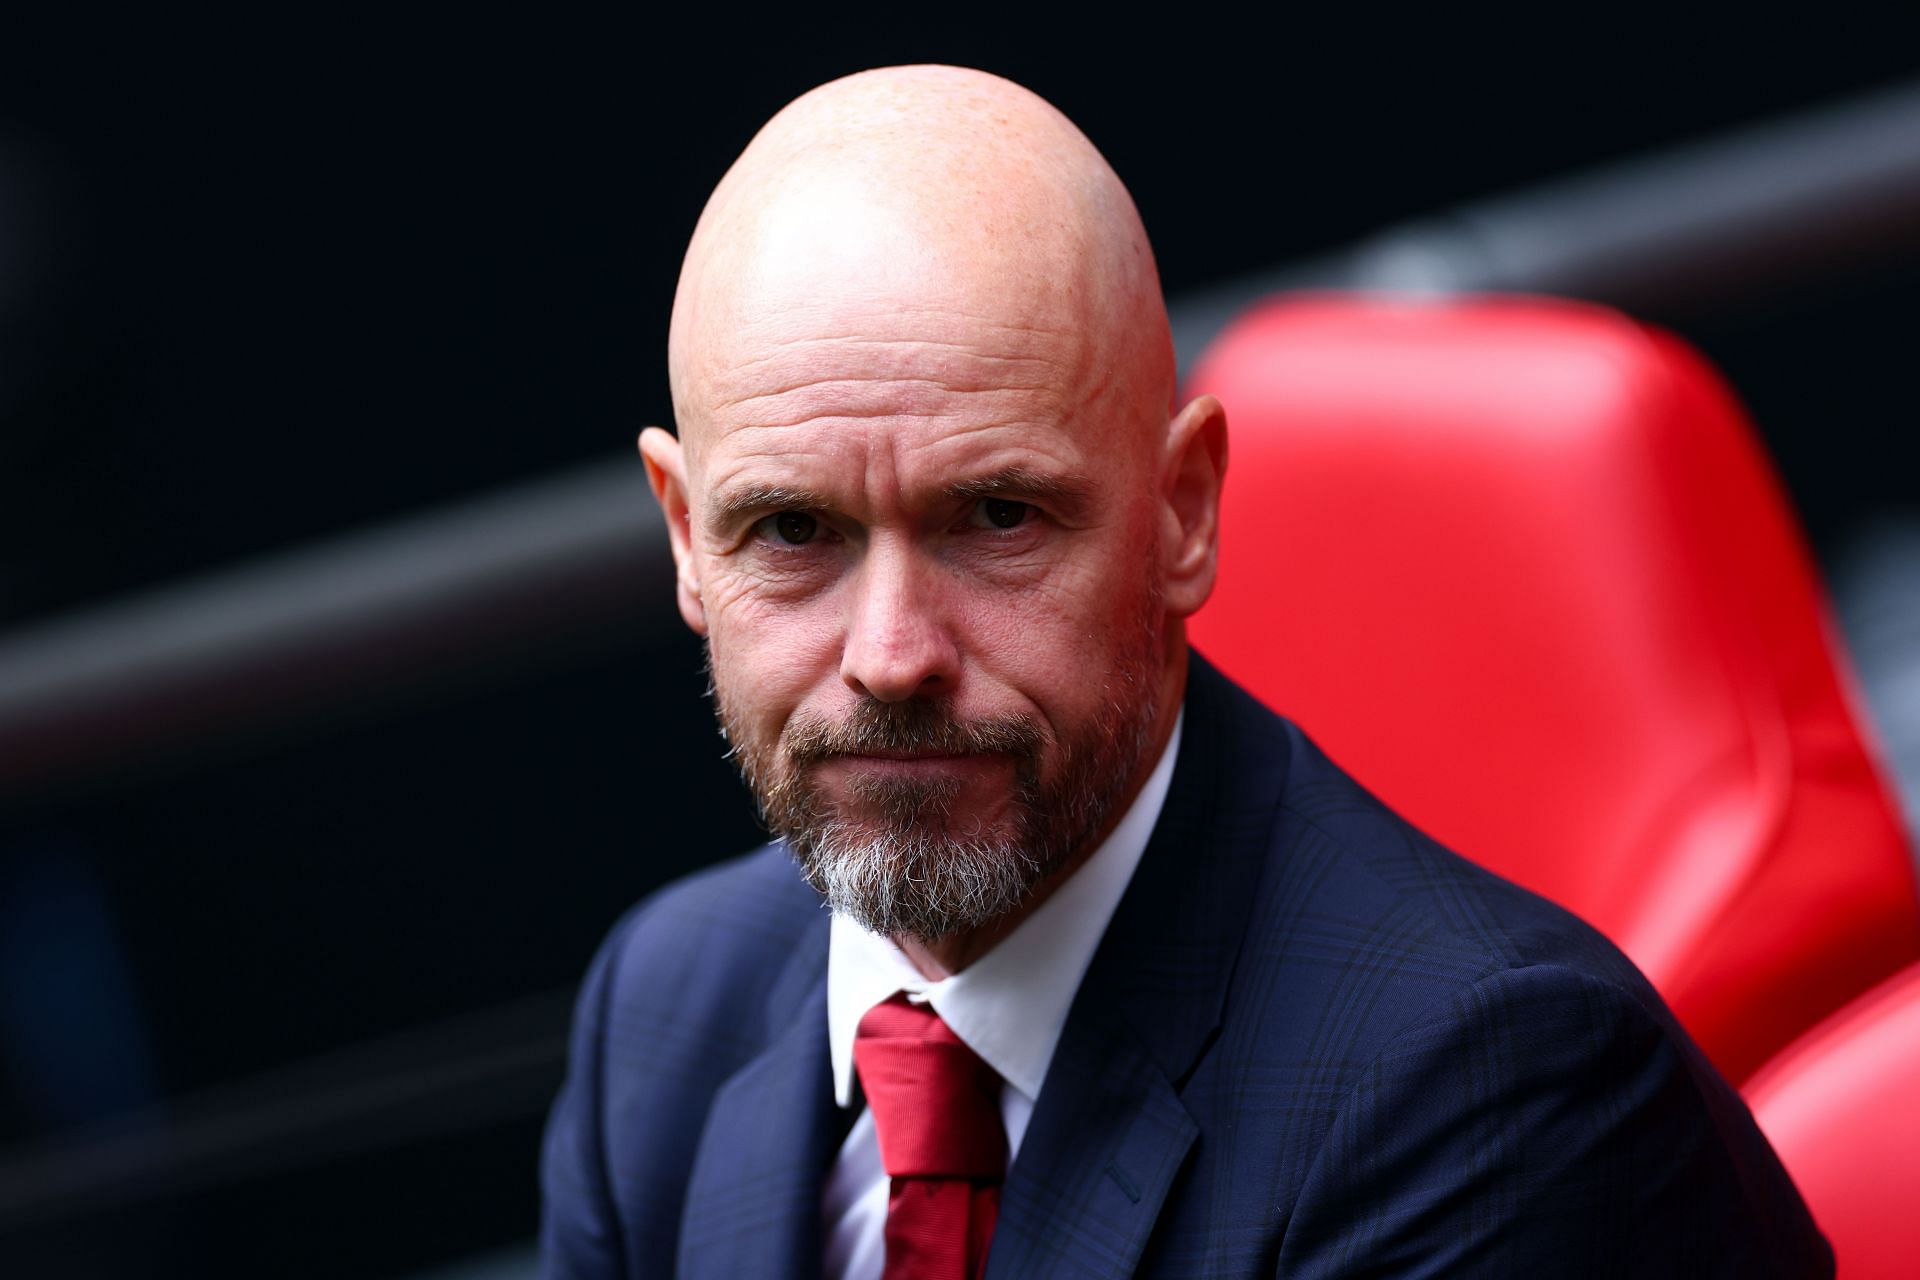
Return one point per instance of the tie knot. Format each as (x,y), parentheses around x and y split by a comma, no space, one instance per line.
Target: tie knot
(936,1105)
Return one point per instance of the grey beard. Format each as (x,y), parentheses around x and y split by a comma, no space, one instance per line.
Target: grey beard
(900,868)
(916,882)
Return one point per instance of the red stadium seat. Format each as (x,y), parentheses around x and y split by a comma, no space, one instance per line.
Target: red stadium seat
(1521,566)
(1842,1107)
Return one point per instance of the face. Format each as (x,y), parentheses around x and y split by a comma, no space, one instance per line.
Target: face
(926,561)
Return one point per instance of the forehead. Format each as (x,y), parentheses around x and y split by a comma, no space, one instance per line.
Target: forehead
(870,355)
(908,390)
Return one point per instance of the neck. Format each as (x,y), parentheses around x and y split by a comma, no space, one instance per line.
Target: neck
(938,958)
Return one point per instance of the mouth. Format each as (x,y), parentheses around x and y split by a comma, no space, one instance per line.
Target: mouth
(912,761)
(957,767)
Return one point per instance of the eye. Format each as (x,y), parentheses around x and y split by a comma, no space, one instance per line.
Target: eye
(1000,513)
(791,528)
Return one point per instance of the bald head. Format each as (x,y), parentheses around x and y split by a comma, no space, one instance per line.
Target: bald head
(931,189)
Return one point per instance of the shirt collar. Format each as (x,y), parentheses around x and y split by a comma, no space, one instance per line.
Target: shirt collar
(1009,1005)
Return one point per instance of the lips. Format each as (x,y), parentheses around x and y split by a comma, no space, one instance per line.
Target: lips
(958,763)
(907,762)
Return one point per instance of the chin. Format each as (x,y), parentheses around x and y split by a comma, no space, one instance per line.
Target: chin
(919,880)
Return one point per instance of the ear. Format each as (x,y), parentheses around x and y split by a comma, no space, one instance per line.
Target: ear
(667,473)
(1192,471)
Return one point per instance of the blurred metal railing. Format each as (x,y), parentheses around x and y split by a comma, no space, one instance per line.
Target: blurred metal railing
(1697,226)
(533,570)
(454,1076)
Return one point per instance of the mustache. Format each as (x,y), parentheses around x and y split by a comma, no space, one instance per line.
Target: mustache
(918,725)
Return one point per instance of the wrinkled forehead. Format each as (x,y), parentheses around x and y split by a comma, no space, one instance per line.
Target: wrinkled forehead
(906,312)
(849,305)
(867,361)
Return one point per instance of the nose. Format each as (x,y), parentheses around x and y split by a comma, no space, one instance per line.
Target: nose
(898,645)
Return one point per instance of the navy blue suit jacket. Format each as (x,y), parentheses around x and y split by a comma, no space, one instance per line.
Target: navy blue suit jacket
(1312,1043)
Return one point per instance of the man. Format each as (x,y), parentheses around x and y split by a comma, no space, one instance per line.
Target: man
(1121,975)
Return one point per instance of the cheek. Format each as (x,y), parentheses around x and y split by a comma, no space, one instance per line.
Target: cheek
(768,658)
(1055,641)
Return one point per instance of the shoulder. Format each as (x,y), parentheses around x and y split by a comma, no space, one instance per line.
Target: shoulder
(1545,1119)
(1478,920)
(1477,1072)
(750,903)
(1343,880)
(716,943)
(686,987)
(1363,932)
(1410,934)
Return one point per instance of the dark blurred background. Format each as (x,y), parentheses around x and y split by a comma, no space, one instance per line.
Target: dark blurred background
(294,308)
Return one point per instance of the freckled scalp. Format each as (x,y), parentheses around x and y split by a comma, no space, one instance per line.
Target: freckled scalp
(928,222)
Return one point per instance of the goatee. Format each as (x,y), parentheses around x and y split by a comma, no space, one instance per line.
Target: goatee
(891,854)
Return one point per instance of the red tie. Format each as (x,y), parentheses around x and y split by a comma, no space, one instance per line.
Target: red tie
(936,1107)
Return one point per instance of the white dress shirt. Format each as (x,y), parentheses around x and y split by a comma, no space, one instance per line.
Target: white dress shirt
(1008,1006)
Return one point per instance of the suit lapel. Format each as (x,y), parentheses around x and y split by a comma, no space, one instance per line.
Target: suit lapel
(1109,1133)
(1106,1140)
(753,1198)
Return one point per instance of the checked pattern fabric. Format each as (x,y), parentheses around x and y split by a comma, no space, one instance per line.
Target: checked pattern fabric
(936,1108)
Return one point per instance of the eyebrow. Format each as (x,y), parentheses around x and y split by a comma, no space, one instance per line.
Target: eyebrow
(1068,494)
(1024,484)
(732,508)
